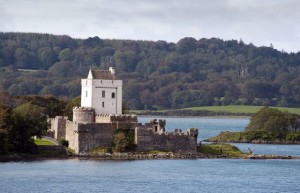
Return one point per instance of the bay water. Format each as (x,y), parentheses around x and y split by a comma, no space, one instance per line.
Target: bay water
(147,176)
(211,126)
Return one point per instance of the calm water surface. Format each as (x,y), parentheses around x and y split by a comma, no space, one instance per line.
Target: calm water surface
(208,127)
(174,176)
(212,126)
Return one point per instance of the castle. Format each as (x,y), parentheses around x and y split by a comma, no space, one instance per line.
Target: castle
(100,117)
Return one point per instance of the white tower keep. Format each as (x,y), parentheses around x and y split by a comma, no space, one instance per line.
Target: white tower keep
(102,92)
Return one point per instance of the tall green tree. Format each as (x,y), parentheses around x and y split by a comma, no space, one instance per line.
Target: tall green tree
(28,120)
(271,119)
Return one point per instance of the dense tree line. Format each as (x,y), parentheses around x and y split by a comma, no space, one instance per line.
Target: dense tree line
(156,74)
(25,117)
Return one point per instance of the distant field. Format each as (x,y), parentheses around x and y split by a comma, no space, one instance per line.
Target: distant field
(43,142)
(234,109)
(241,109)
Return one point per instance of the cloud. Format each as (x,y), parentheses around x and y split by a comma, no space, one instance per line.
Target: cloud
(259,22)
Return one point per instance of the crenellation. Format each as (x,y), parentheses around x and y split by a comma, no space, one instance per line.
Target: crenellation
(113,118)
(83,115)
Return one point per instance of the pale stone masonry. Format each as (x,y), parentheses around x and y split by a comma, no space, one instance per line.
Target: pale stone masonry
(96,122)
(102,92)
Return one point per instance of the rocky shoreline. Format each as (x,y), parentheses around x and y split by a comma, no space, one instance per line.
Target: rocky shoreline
(137,156)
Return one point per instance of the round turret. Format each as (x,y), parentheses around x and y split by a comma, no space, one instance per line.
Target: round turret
(83,115)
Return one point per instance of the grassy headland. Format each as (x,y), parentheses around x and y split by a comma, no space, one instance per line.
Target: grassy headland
(227,150)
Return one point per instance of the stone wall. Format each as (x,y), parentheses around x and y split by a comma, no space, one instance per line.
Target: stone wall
(72,135)
(147,140)
(109,118)
(58,125)
(83,115)
(158,125)
(84,137)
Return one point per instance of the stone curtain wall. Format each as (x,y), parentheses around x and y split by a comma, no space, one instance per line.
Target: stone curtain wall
(72,135)
(58,125)
(147,140)
(94,135)
(116,119)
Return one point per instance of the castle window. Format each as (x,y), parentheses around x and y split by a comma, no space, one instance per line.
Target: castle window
(103,94)
(103,104)
(86,93)
(113,95)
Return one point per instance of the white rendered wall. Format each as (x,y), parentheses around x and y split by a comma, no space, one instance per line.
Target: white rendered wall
(91,95)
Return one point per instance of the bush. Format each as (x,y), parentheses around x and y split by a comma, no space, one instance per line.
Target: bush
(63,142)
(124,140)
(293,136)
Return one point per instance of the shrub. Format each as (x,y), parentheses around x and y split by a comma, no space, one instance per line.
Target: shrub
(63,142)
(124,140)
(293,136)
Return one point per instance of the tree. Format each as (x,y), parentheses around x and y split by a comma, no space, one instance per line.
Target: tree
(261,75)
(92,42)
(270,119)
(65,54)
(3,141)
(28,120)
(62,69)
(47,57)
(4,124)
(186,45)
(69,108)
(50,105)
(120,142)
(124,140)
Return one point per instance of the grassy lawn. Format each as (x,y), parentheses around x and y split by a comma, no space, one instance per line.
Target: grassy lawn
(218,149)
(43,142)
(241,109)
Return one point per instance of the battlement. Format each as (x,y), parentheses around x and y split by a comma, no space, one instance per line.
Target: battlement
(112,118)
(158,127)
(82,108)
(192,132)
(83,115)
(147,139)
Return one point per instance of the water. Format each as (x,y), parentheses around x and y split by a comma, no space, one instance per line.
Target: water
(208,126)
(212,126)
(151,176)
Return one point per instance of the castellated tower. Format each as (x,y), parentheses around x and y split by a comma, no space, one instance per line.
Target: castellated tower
(102,92)
(83,115)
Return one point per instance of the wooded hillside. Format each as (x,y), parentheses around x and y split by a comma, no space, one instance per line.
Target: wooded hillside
(156,74)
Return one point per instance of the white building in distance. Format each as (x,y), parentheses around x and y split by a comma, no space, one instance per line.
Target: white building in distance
(102,92)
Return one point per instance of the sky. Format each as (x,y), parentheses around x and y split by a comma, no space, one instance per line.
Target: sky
(261,22)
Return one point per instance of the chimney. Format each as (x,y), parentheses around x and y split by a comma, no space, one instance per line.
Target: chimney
(112,70)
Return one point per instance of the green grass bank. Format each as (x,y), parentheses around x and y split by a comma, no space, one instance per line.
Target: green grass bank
(231,110)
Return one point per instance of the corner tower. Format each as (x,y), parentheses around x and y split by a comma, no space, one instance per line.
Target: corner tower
(102,92)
